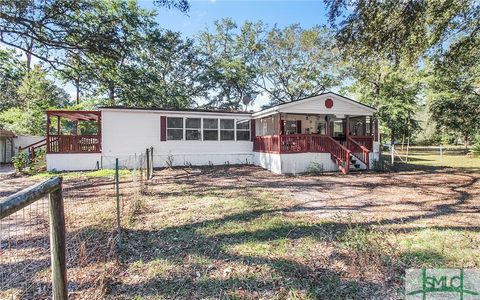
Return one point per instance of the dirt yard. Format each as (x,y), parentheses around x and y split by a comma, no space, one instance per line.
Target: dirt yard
(245,233)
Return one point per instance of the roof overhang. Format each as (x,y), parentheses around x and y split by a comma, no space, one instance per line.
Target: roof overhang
(6,133)
(294,107)
(177,112)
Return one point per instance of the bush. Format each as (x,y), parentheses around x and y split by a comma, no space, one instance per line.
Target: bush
(20,162)
(23,164)
(382,165)
(38,164)
(475,150)
(315,168)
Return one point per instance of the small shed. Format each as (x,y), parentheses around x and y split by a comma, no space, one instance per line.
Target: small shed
(6,145)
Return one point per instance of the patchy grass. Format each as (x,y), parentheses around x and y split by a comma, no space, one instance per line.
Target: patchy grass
(76,175)
(244,233)
(219,238)
(449,161)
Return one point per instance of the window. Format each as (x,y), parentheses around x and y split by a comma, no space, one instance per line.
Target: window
(291,127)
(243,130)
(174,128)
(210,129)
(227,129)
(193,129)
(338,129)
(322,128)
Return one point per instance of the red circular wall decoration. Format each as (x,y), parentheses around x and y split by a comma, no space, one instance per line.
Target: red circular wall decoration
(328,103)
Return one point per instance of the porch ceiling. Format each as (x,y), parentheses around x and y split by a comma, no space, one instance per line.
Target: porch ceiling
(76,115)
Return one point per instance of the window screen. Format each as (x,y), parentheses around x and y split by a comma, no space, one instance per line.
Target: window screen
(243,130)
(193,129)
(227,129)
(210,129)
(174,128)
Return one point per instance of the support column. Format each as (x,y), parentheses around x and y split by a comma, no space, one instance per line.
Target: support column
(48,132)
(58,125)
(280,124)
(347,133)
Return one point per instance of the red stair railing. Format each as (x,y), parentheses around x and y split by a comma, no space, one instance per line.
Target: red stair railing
(359,151)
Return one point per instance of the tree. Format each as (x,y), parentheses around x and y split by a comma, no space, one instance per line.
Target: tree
(401,35)
(393,90)
(52,30)
(286,64)
(402,30)
(37,94)
(11,72)
(165,73)
(454,89)
(231,57)
(298,63)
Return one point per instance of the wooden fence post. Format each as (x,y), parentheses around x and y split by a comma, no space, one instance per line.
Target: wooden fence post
(151,161)
(117,194)
(148,163)
(57,245)
(392,154)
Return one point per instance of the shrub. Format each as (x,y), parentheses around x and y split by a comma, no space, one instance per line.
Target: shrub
(315,168)
(475,150)
(38,164)
(381,165)
(20,161)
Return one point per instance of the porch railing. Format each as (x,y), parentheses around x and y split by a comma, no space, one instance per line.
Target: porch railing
(73,144)
(302,143)
(359,151)
(365,141)
(294,143)
(266,143)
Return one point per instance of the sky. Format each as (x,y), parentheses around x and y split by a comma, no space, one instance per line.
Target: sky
(203,13)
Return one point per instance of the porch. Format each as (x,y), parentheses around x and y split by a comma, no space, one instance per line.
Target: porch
(348,139)
(73,132)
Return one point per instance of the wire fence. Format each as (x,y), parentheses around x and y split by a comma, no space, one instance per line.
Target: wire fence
(25,262)
(95,212)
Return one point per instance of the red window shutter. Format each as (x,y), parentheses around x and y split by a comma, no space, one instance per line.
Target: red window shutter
(163,128)
(299,127)
(252,130)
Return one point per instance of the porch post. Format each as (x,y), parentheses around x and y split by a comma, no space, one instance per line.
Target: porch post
(371,126)
(48,132)
(347,133)
(280,124)
(58,125)
(99,131)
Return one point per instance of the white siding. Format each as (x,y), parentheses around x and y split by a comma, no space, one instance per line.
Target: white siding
(316,105)
(73,161)
(129,133)
(341,107)
(25,140)
(294,163)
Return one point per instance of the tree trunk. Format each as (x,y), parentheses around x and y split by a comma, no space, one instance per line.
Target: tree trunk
(28,53)
(77,87)
(111,89)
(29,61)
